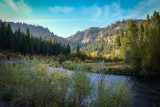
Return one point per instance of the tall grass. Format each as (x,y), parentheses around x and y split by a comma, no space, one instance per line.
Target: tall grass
(114,95)
(32,84)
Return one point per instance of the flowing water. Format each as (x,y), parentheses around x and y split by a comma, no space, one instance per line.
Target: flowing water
(146,90)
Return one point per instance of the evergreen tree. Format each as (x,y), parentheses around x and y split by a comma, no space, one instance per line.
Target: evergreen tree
(68,49)
(27,38)
(151,58)
(117,41)
(25,46)
(31,50)
(77,48)
(140,33)
(18,34)
(3,36)
(10,38)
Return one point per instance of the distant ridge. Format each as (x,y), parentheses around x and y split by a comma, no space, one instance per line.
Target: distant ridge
(37,31)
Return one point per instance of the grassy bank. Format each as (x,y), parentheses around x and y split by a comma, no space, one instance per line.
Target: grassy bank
(32,84)
(118,68)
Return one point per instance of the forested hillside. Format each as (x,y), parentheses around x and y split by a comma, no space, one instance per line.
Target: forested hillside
(36,31)
(91,37)
(25,43)
(88,38)
(140,44)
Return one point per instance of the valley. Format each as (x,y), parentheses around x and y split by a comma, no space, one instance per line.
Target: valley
(110,65)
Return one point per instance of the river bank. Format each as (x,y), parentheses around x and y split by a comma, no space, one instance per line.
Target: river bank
(146,90)
(116,68)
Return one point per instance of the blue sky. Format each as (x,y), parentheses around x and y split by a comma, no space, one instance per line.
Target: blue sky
(66,17)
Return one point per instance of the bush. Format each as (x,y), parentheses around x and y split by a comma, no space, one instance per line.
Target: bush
(32,84)
(114,95)
(54,64)
(88,61)
(81,87)
(99,67)
(68,65)
(122,70)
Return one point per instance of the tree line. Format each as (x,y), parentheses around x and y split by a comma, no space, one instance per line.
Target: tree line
(140,44)
(25,43)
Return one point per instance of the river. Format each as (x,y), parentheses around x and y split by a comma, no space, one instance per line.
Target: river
(146,90)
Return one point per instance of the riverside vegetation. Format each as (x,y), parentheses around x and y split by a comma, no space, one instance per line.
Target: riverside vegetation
(34,84)
(137,47)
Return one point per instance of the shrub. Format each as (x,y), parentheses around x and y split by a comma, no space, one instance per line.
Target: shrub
(88,61)
(68,65)
(99,67)
(114,95)
(32,84)
(81,86)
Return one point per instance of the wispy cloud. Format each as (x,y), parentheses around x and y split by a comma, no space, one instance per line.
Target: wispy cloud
(61,9)
(143,8)
(103,14)
(98,12)
(12,4)
(18,6)
(24,6)
(114,12)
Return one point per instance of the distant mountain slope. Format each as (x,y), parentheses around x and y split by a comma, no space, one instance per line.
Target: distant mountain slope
(37,31)
(90,39)
(93,37)
(85,37)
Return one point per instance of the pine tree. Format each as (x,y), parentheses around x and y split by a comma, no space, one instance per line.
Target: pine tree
(49,46)
(151,57)
(18,33)
(25,46)
(31,49)
(10,37)
(117,41)
(28,45)
(140,32)
(77,48)
(68,50)
(3,39)
(130,47)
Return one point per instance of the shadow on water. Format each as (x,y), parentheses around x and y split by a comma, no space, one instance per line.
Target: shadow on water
(146,90)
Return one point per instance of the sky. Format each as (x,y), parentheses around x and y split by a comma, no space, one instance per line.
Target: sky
(66,17)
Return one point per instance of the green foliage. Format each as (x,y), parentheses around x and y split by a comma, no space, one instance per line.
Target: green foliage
(69,65)
(82,86)
(77,50)
(78,56)
(99,67)
(141,46)
(27,44)
(117,41)
(114,95)
(33,84)
(73,66)
(121,70)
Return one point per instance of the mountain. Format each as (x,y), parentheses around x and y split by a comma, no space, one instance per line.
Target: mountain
(37,31)
(97,39)
(89,40)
